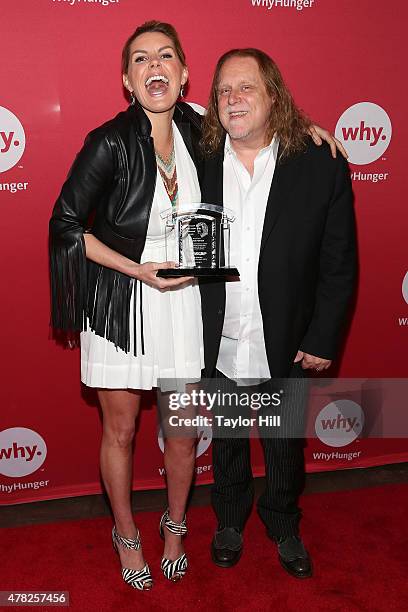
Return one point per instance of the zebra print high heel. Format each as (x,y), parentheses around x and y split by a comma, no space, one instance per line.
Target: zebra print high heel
(173,570)
(138,579)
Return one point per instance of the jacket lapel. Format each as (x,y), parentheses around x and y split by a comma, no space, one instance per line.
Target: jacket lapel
(185,131)
(282,184)
(213,179)
(189,125)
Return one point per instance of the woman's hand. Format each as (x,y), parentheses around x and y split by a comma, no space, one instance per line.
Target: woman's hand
(147,273)
(319,134)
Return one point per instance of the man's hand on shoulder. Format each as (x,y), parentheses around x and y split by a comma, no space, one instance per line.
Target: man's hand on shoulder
(311,362)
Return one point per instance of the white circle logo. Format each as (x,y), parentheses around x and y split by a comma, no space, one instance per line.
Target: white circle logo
(197,107)
(339,423)
(365,130)
(405,288)
(12,139)
(204,435)
(22,451)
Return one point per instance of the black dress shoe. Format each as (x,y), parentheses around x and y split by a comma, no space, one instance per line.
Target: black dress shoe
(226,546)
(293,557)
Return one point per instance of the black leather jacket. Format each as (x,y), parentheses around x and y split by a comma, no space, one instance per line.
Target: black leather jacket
(109,192)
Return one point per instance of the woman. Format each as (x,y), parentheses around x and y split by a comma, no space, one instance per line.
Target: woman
(135,327)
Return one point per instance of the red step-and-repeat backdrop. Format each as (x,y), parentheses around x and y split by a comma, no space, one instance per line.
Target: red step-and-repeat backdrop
(345,63)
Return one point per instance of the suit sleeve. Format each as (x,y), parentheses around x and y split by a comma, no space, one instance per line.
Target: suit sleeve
(88,179)
(337,271)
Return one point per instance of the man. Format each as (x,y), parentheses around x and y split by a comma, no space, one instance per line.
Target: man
(293,242)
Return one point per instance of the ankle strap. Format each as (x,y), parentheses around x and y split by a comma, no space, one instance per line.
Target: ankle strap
(179,529)
(126,542)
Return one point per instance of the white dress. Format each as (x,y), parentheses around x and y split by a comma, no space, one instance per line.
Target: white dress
(172,322)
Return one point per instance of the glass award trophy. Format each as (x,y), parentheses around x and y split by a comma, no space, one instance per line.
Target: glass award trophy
(197,238)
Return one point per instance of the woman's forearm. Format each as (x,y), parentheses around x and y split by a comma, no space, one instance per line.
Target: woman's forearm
(101,254)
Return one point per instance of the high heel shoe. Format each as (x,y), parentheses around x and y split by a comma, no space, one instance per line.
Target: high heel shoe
(138,579)
(173,570)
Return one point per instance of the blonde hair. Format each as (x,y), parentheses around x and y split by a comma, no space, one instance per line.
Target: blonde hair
(286,120)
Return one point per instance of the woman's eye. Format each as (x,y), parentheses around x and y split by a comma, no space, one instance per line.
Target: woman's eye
(139,59)
(167,56)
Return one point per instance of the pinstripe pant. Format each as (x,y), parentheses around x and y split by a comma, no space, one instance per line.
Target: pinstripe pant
(233,490)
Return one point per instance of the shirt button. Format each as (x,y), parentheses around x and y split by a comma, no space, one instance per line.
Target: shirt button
(247,259)
(248,228)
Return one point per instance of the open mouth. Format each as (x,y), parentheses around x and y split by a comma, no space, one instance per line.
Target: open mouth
(157,84)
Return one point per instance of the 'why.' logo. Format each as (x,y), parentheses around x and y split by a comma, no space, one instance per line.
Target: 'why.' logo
(12,139)
(22,451)
(204,435)
(365,130)
(197,107)
(405,288)
(339,423)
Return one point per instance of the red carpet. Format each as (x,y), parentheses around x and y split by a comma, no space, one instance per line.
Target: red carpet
(358,540)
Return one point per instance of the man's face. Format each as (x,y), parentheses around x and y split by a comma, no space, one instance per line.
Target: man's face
(244,105)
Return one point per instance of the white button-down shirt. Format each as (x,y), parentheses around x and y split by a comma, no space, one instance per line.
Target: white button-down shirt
(242,354)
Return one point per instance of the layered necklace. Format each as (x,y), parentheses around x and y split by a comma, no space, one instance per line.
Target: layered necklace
(168,172)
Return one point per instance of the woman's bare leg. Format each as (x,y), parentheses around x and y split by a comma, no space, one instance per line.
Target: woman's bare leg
(120,409)
(179,462)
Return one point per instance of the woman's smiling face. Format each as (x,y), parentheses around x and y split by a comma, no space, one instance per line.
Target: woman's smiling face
(155,73)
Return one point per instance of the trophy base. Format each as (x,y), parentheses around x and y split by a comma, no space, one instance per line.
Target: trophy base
(177,272)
